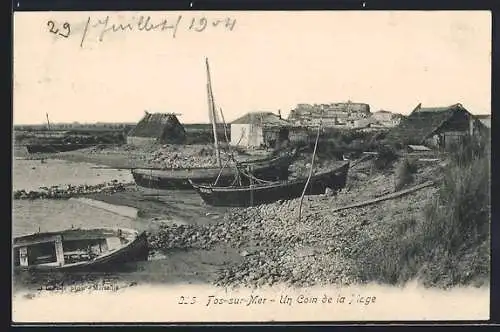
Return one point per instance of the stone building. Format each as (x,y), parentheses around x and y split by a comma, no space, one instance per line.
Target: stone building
(331,115)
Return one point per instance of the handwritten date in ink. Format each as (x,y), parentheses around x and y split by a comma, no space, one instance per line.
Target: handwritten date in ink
(200,24)
(66,28)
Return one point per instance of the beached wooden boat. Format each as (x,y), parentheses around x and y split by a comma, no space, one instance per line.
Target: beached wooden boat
(269,169)
(54,147)
(79,249)
(263,193)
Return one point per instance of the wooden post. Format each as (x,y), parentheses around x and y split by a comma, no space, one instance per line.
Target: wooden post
(250,171)
(48,122)
(59,250)
(310,170)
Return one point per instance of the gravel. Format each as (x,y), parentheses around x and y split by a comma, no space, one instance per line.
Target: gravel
(65,192)
(167,156)
(319,249)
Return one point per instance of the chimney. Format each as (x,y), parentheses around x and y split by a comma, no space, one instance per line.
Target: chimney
(279,114)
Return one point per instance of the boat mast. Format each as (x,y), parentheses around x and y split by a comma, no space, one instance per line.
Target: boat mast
(212,114)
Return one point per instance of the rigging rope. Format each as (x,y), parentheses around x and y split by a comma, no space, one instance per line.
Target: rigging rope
(250,176)
(231,158)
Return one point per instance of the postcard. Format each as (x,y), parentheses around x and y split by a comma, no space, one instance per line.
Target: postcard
(251,166)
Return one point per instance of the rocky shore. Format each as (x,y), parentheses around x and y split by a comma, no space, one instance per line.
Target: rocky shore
(156,156)
(69,191)
(321,248)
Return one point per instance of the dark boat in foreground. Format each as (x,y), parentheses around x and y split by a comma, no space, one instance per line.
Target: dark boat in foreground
(54,148)
(263,193)
(269,169)
(75,249)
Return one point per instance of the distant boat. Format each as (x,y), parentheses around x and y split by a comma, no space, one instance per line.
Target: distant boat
(272,169)
(54,148)
(78,249)
(263,193)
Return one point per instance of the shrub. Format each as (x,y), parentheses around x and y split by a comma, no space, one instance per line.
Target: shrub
(462,210)
(386,157)
(469,149)
(457,224)
(449,243)
(404,173)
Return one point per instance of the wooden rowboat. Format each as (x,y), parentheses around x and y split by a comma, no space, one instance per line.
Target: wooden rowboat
(79,248)
(271,169)
(243,196)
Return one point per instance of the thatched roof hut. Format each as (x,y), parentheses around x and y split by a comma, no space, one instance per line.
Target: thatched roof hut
(435,126)
(157,127)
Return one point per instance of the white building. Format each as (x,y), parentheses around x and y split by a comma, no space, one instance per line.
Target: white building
(257,128)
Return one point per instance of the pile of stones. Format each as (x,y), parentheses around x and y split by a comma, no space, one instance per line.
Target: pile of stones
(68,191)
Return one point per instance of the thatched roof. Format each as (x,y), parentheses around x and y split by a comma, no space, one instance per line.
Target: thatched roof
(422,123)
(163,126)
(261,118)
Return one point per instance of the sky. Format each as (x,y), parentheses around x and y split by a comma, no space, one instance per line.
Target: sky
(270,61)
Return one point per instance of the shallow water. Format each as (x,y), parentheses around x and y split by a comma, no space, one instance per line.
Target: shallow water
(29,216)
(50,215)
(32,174)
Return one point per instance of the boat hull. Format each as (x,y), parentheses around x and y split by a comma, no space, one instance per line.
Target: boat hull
(135,250)
(264,194)
(178,179)
(53,148)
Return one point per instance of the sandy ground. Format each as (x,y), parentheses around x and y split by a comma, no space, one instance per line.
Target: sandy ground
(163,205)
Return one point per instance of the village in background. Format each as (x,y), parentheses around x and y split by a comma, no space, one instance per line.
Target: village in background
(259,129)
